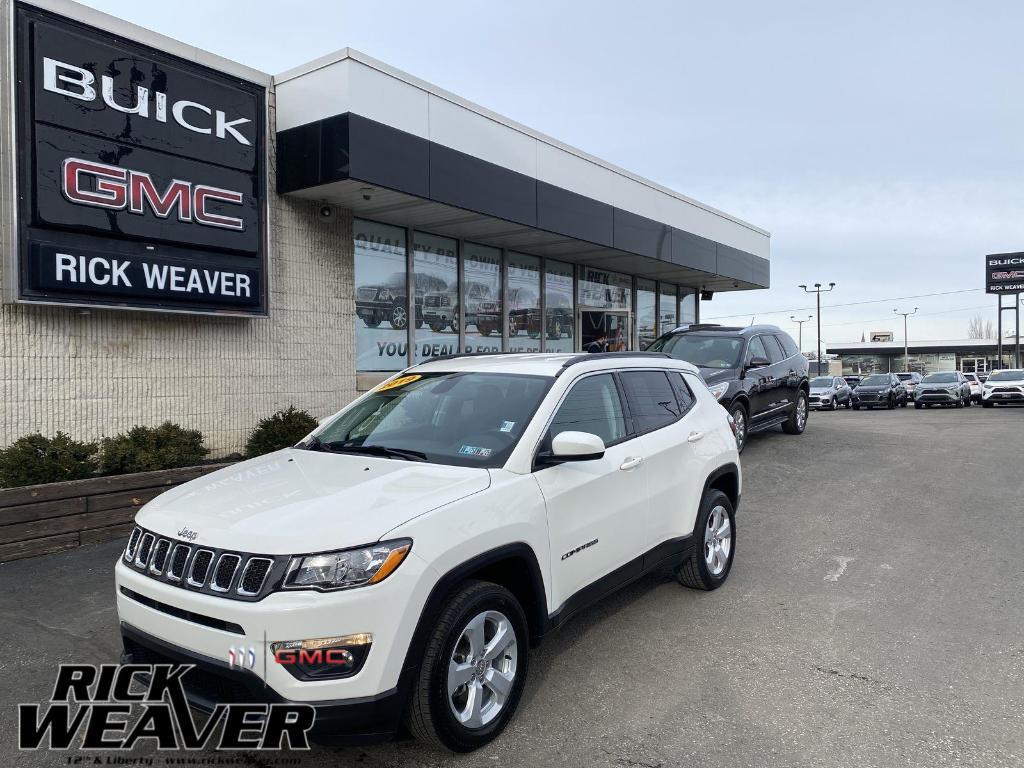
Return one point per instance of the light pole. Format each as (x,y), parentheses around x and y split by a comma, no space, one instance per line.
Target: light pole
(818,290)
(800,332)
(906,355)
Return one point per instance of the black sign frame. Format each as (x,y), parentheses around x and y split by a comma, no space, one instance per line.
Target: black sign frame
(1004,273)
(209,254)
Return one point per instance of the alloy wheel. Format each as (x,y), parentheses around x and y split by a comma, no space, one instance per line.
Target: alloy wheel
(399,318)
(482,669)
(717,541)
(740,417)
(801,411)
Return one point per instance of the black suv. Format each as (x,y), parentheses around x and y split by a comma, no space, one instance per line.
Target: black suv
(880,390)
(757,373)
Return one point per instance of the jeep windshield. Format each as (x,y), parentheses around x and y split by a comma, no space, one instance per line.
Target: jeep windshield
(465,419)
(703,351)
(875,381)
(821,382)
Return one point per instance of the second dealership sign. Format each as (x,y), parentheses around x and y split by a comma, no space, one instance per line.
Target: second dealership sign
(141,176)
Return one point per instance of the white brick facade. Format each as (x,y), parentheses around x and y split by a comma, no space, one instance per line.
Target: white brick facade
(97,373)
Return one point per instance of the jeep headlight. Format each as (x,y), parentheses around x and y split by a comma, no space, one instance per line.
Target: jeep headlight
(346,568)
(718,390)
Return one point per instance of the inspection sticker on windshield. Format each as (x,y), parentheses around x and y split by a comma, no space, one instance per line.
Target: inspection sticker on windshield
(507,426)
(472,450)
(401,381)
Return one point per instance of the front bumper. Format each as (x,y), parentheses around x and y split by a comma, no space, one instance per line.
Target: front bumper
(821,401)
(213,682)
(208,625)
(1004,395)
(944,398)
(871,400)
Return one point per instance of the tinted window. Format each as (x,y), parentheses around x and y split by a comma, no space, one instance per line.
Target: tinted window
(683,391)
(652,401)
(775,353)
(592,405)
(876,380)
(755,349)
(788,345)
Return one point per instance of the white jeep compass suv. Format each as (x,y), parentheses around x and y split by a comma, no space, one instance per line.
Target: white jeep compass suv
(398,564)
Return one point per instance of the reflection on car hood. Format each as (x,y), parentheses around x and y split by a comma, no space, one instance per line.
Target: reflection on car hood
(296,501)
(717,375)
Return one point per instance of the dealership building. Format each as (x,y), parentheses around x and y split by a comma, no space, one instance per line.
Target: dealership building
(966,355)
(185,238)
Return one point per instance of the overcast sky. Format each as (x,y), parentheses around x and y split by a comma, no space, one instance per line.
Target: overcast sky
(881,143)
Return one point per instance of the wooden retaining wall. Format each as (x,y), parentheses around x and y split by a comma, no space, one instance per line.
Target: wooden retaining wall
(40,519)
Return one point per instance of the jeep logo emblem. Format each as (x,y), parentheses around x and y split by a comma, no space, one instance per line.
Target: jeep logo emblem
(188,534)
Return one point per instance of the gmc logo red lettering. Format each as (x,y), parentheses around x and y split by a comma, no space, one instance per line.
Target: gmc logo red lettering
(100,185)
(320,656)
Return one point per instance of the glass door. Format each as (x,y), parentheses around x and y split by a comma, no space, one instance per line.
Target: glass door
(603,330)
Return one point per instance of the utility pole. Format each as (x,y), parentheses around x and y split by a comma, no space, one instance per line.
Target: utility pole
(818,290)
(906,355)
(800,332)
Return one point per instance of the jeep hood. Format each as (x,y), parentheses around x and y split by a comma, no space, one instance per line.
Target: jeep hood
(296,501)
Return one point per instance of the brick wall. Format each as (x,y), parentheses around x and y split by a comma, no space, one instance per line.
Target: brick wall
(100,372)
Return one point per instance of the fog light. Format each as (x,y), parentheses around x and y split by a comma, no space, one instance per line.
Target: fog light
(323,658)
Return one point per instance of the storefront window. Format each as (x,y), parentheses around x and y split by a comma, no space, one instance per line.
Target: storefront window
(382,310)
(687,306)
(560,317)
(482,267)
(645,312)
(609,290)
(435,267)
(523,303)
(667,319)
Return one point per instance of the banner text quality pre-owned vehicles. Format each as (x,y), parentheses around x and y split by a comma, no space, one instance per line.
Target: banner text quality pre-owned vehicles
(398,564)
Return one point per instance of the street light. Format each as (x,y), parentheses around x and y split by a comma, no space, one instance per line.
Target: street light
(818,290)
(906,355)
(800,332)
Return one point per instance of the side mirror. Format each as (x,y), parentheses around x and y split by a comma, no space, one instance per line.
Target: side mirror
(576,446)
(758,362)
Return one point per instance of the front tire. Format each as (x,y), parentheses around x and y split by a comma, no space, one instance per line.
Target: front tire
(714,535)
(797,421)
(473,670)
(986,404)
(919,406)
(739,415)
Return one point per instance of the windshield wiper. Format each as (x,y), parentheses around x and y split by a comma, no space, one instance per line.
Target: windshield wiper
(375,450)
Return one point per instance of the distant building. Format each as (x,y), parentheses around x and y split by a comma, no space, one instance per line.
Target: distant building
(967,355)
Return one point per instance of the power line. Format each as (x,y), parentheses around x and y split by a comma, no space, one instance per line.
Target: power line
(922,314)
(848,304)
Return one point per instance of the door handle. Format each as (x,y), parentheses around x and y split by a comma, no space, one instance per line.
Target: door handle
(632,462)
(695,436)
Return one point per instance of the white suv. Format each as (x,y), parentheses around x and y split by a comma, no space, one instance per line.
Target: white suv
(400,562)
(1005,386)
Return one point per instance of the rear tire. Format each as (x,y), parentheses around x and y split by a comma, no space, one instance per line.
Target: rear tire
(892,403)
(714,536)
(797,421)
(460,634)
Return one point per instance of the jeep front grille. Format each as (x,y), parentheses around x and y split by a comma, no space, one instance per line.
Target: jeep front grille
(224,573)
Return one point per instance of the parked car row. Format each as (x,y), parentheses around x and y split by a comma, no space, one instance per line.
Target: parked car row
(891,390)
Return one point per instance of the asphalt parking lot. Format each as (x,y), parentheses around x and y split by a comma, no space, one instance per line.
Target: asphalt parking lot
(874,617)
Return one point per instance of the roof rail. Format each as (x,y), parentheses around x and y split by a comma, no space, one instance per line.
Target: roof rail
(586,357)
(457,355)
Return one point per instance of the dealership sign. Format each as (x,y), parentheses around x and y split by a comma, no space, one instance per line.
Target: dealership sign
(141,176)
(1004,273)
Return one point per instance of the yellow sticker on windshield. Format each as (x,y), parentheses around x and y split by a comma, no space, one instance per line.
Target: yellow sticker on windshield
(401,381)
